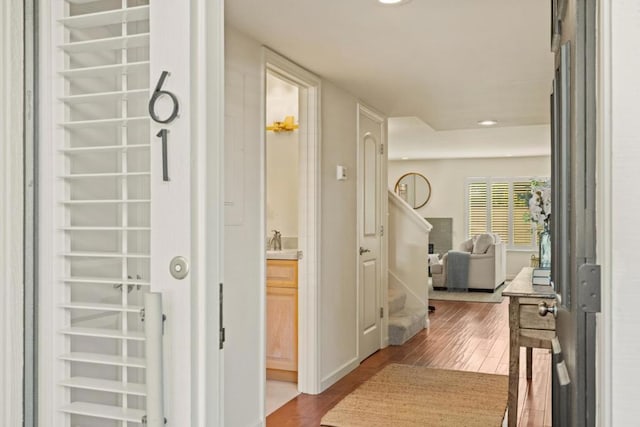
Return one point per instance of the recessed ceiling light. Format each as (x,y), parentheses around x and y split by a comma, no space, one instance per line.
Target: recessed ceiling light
(393,1)
(405,158)
(508,155)
(487,123)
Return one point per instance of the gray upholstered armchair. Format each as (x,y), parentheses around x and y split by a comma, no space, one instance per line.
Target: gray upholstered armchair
(487,263)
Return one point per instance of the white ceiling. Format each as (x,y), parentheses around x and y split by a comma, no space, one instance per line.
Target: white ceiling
(411,137)
(449,63)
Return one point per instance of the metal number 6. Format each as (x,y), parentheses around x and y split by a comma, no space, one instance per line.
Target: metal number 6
(156,95)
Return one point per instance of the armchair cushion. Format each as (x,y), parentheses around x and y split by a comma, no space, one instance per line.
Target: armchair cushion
(467,245)
(481,243)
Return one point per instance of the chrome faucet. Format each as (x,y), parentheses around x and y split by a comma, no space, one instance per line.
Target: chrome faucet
(275,243)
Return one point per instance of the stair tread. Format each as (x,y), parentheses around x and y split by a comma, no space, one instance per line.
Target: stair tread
(404,324)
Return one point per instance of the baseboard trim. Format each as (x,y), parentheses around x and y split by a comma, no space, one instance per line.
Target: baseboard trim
(281,375)
(336,375)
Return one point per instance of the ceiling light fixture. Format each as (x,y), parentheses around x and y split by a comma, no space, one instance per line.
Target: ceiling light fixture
(393,1)
(487,123)
(405,158)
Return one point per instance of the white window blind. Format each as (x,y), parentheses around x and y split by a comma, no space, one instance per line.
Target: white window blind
(101,82)
(500,205)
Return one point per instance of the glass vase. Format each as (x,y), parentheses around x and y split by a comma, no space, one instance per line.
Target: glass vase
(544,250)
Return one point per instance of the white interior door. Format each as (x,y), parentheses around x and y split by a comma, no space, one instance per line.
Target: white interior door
(370,151)
(121,196)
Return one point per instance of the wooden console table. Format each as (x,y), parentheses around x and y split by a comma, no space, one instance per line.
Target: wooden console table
(527,329)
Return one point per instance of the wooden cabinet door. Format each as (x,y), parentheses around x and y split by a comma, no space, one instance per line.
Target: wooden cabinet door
(282,328)
(282,273)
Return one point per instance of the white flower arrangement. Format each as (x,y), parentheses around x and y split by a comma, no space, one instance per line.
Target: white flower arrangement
(540,204)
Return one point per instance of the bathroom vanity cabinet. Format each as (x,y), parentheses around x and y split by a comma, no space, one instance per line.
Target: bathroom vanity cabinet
(282,320)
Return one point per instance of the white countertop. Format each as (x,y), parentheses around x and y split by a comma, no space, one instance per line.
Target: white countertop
(283,254)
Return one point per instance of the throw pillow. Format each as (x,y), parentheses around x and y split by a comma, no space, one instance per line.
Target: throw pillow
(481,243)
(467,245)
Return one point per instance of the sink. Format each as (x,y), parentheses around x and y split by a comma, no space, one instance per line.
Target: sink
(283,254)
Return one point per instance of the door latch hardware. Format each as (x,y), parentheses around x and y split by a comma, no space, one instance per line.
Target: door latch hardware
(381,312)
(179,267)
(363,250)
(144,420)
(222,334)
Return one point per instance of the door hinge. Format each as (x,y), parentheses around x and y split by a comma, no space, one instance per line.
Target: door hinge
(381,148)
(381,312)
(382,230)
(589,294)
(222,337)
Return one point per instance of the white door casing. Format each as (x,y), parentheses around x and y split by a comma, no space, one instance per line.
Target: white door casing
(308,216)
(370,184)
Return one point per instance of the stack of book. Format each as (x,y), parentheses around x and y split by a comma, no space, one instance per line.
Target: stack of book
(541,276)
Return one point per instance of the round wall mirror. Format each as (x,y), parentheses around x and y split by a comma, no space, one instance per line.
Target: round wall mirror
(414,189)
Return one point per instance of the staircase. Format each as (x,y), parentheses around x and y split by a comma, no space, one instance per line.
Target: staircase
(408,280)
(404,322)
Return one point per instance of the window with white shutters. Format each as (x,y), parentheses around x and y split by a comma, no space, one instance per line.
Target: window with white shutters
(101,135)
(477,208)
(500,205)
(500,209)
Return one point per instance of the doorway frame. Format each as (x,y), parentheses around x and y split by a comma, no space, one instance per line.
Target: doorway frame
(383,290)
(308,217)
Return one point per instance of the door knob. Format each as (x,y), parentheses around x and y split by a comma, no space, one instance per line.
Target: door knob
(363,250)
(544,308)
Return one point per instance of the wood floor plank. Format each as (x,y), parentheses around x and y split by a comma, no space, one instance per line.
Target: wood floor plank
(464,336)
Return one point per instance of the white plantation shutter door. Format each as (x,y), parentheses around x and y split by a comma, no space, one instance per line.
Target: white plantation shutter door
(101,210)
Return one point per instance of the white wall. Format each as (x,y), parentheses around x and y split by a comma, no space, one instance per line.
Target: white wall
(244,238)
(282,160)
(338,288)
(618,231)
(447,178)
(282,183)
(408,249)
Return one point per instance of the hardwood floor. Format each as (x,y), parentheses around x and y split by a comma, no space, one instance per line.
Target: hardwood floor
(461,336)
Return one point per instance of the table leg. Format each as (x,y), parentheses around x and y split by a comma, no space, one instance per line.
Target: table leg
(514,361)
(529,363)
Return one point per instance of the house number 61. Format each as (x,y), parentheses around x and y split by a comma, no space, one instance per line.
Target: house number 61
(157,94)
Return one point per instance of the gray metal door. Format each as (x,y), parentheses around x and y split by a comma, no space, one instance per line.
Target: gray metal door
(574,272)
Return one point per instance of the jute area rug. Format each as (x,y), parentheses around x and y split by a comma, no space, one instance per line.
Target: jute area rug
(407,396)
(473,296)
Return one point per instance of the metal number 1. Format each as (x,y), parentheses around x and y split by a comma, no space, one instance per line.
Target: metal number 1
(165,166)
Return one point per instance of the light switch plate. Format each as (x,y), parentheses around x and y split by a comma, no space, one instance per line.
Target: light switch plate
(341,173)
